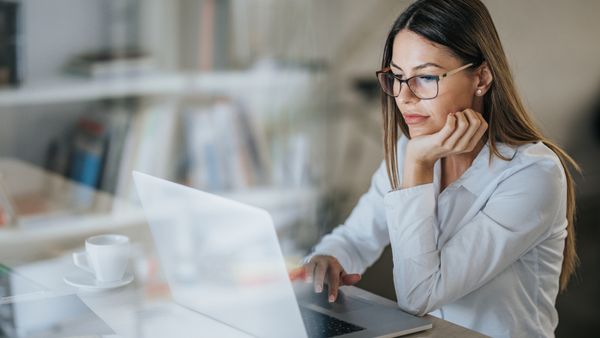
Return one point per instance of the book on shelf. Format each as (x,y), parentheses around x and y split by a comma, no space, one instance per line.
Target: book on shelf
(206,34)
(89,145)
(115,138)
(10,72)
(109,64)
(221,147)
(149,144)
(118,123)
(90,152)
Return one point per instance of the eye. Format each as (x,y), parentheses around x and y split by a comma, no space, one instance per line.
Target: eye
(427,78)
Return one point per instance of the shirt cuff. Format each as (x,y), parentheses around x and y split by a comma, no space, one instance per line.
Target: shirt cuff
(411,219)
(400,197)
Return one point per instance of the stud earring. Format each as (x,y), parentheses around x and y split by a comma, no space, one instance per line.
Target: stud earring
(478,91)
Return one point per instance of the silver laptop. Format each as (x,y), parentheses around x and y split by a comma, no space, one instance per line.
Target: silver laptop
(222,259)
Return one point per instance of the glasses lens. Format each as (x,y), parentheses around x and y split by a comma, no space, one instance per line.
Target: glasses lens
(424,87)
(388,83)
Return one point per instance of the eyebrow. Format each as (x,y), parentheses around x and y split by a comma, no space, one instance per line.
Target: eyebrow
(428,64)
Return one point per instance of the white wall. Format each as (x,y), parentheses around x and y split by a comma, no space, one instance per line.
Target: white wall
(553,49)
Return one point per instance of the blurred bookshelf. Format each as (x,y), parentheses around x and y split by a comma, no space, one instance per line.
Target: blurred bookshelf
(176,109)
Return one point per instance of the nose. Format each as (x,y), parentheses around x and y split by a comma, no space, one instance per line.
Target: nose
(406,95)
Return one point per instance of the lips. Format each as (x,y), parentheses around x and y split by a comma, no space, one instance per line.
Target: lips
(414,118)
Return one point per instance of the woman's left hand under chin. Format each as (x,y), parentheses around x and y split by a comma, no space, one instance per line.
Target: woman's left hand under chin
(461,133)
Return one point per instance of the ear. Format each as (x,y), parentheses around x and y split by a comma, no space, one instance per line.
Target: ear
(483,79)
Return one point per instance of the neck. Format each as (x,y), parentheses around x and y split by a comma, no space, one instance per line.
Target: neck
(461,162)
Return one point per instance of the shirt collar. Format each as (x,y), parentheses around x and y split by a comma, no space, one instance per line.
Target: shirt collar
(481,171)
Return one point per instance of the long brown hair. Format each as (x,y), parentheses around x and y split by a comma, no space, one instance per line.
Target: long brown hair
(466,28)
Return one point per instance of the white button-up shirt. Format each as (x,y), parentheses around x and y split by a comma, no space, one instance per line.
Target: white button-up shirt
(485,253)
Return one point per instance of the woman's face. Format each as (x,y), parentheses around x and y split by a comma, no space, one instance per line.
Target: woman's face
(412,55)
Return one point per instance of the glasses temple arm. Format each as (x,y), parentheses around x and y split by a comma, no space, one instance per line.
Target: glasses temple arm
(455,70)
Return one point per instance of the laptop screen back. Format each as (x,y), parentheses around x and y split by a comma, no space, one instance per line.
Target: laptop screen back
(221,258)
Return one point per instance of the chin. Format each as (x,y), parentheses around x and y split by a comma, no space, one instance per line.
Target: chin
(415,131)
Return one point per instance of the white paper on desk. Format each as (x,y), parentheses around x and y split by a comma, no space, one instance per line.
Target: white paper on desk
(221,258)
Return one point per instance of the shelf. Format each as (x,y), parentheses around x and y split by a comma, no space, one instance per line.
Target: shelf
(73,89)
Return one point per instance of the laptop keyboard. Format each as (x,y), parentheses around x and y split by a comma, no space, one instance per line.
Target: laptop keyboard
(321,325)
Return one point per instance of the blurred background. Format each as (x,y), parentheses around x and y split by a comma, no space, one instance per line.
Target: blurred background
(270,102)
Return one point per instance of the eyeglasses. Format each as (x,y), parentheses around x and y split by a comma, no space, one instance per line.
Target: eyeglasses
(425,87)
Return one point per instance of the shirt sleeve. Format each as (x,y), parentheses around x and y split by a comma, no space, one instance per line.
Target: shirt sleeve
(519,214)
(359,242)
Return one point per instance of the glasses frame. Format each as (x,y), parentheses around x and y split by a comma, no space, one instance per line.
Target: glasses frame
(437,80)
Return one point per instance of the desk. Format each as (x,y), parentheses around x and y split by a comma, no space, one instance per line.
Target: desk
(441,328)
(144,308)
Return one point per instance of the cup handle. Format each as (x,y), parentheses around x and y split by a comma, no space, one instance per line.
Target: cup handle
(81,261)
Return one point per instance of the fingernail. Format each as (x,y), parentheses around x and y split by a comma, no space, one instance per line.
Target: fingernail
(318,289)
(331,299)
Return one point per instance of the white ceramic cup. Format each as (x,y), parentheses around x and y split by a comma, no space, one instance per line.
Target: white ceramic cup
(105,256)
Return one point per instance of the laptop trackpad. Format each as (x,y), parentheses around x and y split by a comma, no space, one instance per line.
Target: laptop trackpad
(343,303)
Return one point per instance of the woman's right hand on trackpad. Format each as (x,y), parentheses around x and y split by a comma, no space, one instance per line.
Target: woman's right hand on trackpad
(324,269)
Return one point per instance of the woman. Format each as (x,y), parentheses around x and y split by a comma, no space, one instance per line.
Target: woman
(476,203)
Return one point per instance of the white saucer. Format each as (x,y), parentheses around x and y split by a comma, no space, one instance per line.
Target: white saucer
(87,281)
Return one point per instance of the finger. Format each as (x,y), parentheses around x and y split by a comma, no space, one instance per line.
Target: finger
(350,279)
(334,283)
(297,274)
(479,134)
(309,269)
(448,128)
(465,141)
(461,126)
(319,275)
